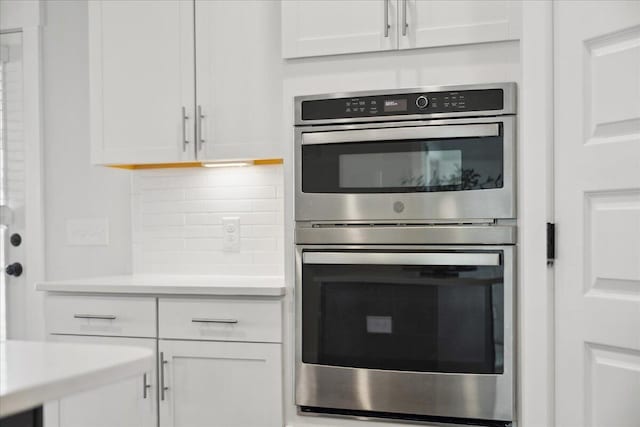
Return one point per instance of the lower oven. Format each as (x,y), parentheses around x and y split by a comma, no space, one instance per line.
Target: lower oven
(413,332)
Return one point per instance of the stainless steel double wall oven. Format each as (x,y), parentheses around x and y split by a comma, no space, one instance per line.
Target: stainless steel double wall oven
(405,206)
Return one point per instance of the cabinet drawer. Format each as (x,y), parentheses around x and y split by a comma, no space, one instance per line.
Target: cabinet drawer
(220,319)
(101,315)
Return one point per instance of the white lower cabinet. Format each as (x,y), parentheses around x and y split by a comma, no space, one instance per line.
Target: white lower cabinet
(130,403)
(225,384)
(219,360)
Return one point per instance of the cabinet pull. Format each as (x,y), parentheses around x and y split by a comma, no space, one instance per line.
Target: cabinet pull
(386,18)
(405,25)
(203,320)
(95,316)
(199,117)
(185,141)
(145,386)
(163,388)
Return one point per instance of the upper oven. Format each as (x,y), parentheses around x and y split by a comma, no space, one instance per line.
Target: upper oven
(418,155)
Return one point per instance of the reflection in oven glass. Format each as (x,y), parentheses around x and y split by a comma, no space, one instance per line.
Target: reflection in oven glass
(407,318)
(403,166)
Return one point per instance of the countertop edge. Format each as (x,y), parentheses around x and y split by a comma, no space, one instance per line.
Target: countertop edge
(36,395)
(274,291)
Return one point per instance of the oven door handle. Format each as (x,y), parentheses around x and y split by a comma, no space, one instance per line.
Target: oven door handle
(401,134)
(402,258)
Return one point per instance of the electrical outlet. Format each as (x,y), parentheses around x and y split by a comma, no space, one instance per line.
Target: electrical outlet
(231,234)
(88,232)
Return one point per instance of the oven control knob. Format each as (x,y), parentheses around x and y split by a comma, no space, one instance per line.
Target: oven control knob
(422,102)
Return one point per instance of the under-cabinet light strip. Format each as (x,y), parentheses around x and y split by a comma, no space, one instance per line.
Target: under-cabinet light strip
(259,162)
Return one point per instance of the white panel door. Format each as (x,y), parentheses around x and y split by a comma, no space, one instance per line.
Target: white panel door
(125,404)
(238,79)
(142,76)
(597,172)
(220,384)
(430,23)
(327,27)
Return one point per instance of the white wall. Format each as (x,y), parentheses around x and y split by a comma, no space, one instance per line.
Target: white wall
(73,188)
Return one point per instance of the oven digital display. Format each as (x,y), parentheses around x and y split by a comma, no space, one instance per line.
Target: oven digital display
(393,105)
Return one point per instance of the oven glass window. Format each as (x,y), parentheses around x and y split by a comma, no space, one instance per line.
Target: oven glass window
(447,319)
(403,166)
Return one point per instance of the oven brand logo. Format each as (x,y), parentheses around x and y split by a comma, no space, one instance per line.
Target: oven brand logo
(398,207)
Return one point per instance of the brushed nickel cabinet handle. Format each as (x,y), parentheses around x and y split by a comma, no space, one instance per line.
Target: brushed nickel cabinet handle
(95,316)
(163,388)
(205,320)
(386,18)
(184,118)
(145,386)
(199,117)
(405,24)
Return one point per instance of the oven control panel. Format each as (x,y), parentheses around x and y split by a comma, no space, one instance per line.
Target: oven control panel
(403,104)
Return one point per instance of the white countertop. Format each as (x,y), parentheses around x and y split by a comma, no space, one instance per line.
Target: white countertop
(32,373)
(172,285)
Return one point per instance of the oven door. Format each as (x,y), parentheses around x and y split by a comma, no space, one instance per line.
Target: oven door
(424,331)
(407,171)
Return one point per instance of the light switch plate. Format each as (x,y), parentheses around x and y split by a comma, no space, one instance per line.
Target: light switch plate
(88,232)
(231,234)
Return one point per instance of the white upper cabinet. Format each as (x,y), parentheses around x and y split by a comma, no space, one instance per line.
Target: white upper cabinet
(326,27)
(323,27)
(142,79)
(184,80)
(238,79)
(440,23)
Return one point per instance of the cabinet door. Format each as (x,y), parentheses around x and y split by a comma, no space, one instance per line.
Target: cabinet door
(326,27)
(225,384)
(239,79)
(442,23)
(141,78)
(125,404)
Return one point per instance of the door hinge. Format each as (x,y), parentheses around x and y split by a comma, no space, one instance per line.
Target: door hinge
(551,243)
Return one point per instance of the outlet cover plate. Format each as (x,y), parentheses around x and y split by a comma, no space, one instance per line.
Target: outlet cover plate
(231,234)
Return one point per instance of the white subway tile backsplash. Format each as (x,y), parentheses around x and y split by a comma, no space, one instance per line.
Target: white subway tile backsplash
(261,231)
(162,195)
(258,245)
(162,219)
(201,218)
(161,245)
(230,193)
(198,244)
(265,257)
(173,207)
(269,205)
(217,269)
(154,232)
(177,220)
(200,232)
